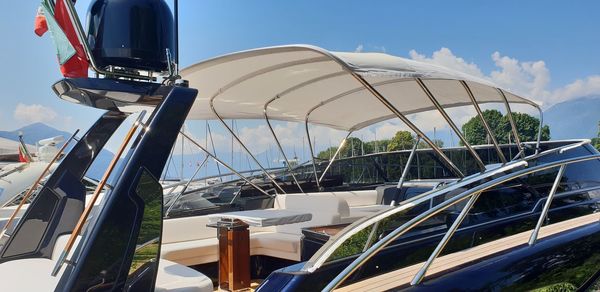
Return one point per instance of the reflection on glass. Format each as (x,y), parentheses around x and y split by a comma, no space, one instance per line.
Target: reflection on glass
(150,191)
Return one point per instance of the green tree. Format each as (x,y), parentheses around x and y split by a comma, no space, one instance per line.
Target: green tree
(327,153)
(475,132)
(596,141)
(527,127)
(401,141)
(353,147)
(437,142)
(378,145)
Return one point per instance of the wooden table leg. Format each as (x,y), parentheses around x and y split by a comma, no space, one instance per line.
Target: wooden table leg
(234,255)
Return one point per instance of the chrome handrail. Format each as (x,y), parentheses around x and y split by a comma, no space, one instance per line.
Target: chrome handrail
(319,258)
(341,237)
(443,206)
(438,249)
(544,214)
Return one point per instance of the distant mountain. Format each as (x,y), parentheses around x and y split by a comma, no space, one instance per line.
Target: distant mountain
(577,118)
(34,132)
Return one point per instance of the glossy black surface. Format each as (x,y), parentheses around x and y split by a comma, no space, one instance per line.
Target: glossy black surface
(105,258)
(109,94)
(57,207)
(131,33)
(566,260)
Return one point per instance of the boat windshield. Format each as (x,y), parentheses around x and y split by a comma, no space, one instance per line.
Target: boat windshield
(208,195)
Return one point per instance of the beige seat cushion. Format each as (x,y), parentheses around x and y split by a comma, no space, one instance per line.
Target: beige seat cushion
(325,209)
(275,244)
(192,252)
(174,277)
(365,211)
(29,275)
(195,252)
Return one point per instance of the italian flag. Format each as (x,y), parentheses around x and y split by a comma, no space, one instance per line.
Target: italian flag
(69,50)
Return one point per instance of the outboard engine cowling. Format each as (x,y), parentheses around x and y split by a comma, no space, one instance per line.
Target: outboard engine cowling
(133,34)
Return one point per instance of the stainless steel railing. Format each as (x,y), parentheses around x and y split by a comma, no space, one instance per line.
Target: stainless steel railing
(469,194)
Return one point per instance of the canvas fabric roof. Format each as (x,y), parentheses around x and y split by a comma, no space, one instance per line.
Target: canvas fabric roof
(309,81)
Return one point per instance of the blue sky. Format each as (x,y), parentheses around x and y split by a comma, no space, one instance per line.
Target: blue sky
(546,50)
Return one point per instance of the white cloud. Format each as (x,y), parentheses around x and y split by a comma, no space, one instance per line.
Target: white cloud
(445,57)
(372,48)
(581,87)
(34,113)
(530,79)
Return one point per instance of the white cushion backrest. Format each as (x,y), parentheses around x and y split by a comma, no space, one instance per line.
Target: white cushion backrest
(325,209)
(279,202)
(358,198)
(188,228)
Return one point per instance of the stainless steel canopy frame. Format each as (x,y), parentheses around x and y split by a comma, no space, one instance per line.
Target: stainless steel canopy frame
(354,71)
(513,126)
(287,162)
(451,124)
(486,126)
(187,184)
(312,153)
(225,164)
(332,159)
(212,107)
(452,167)
(405,171)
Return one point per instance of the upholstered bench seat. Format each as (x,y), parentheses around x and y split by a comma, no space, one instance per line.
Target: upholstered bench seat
(202,251)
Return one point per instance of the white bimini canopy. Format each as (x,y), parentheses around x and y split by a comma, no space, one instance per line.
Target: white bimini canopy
(305,83)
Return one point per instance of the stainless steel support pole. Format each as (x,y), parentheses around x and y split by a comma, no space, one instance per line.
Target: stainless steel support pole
(486,126)
(513,126)
(287,162)
(226,165)
(185,186)
(408,123)
(405,171)
(312,154)
(438,249)
(212,107)
(451,123)
(539,135)
(546,208)
(337,152)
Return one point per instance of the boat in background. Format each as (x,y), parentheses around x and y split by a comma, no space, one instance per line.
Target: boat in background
(16,178)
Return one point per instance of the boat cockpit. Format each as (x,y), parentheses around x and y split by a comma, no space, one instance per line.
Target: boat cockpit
(404,220)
